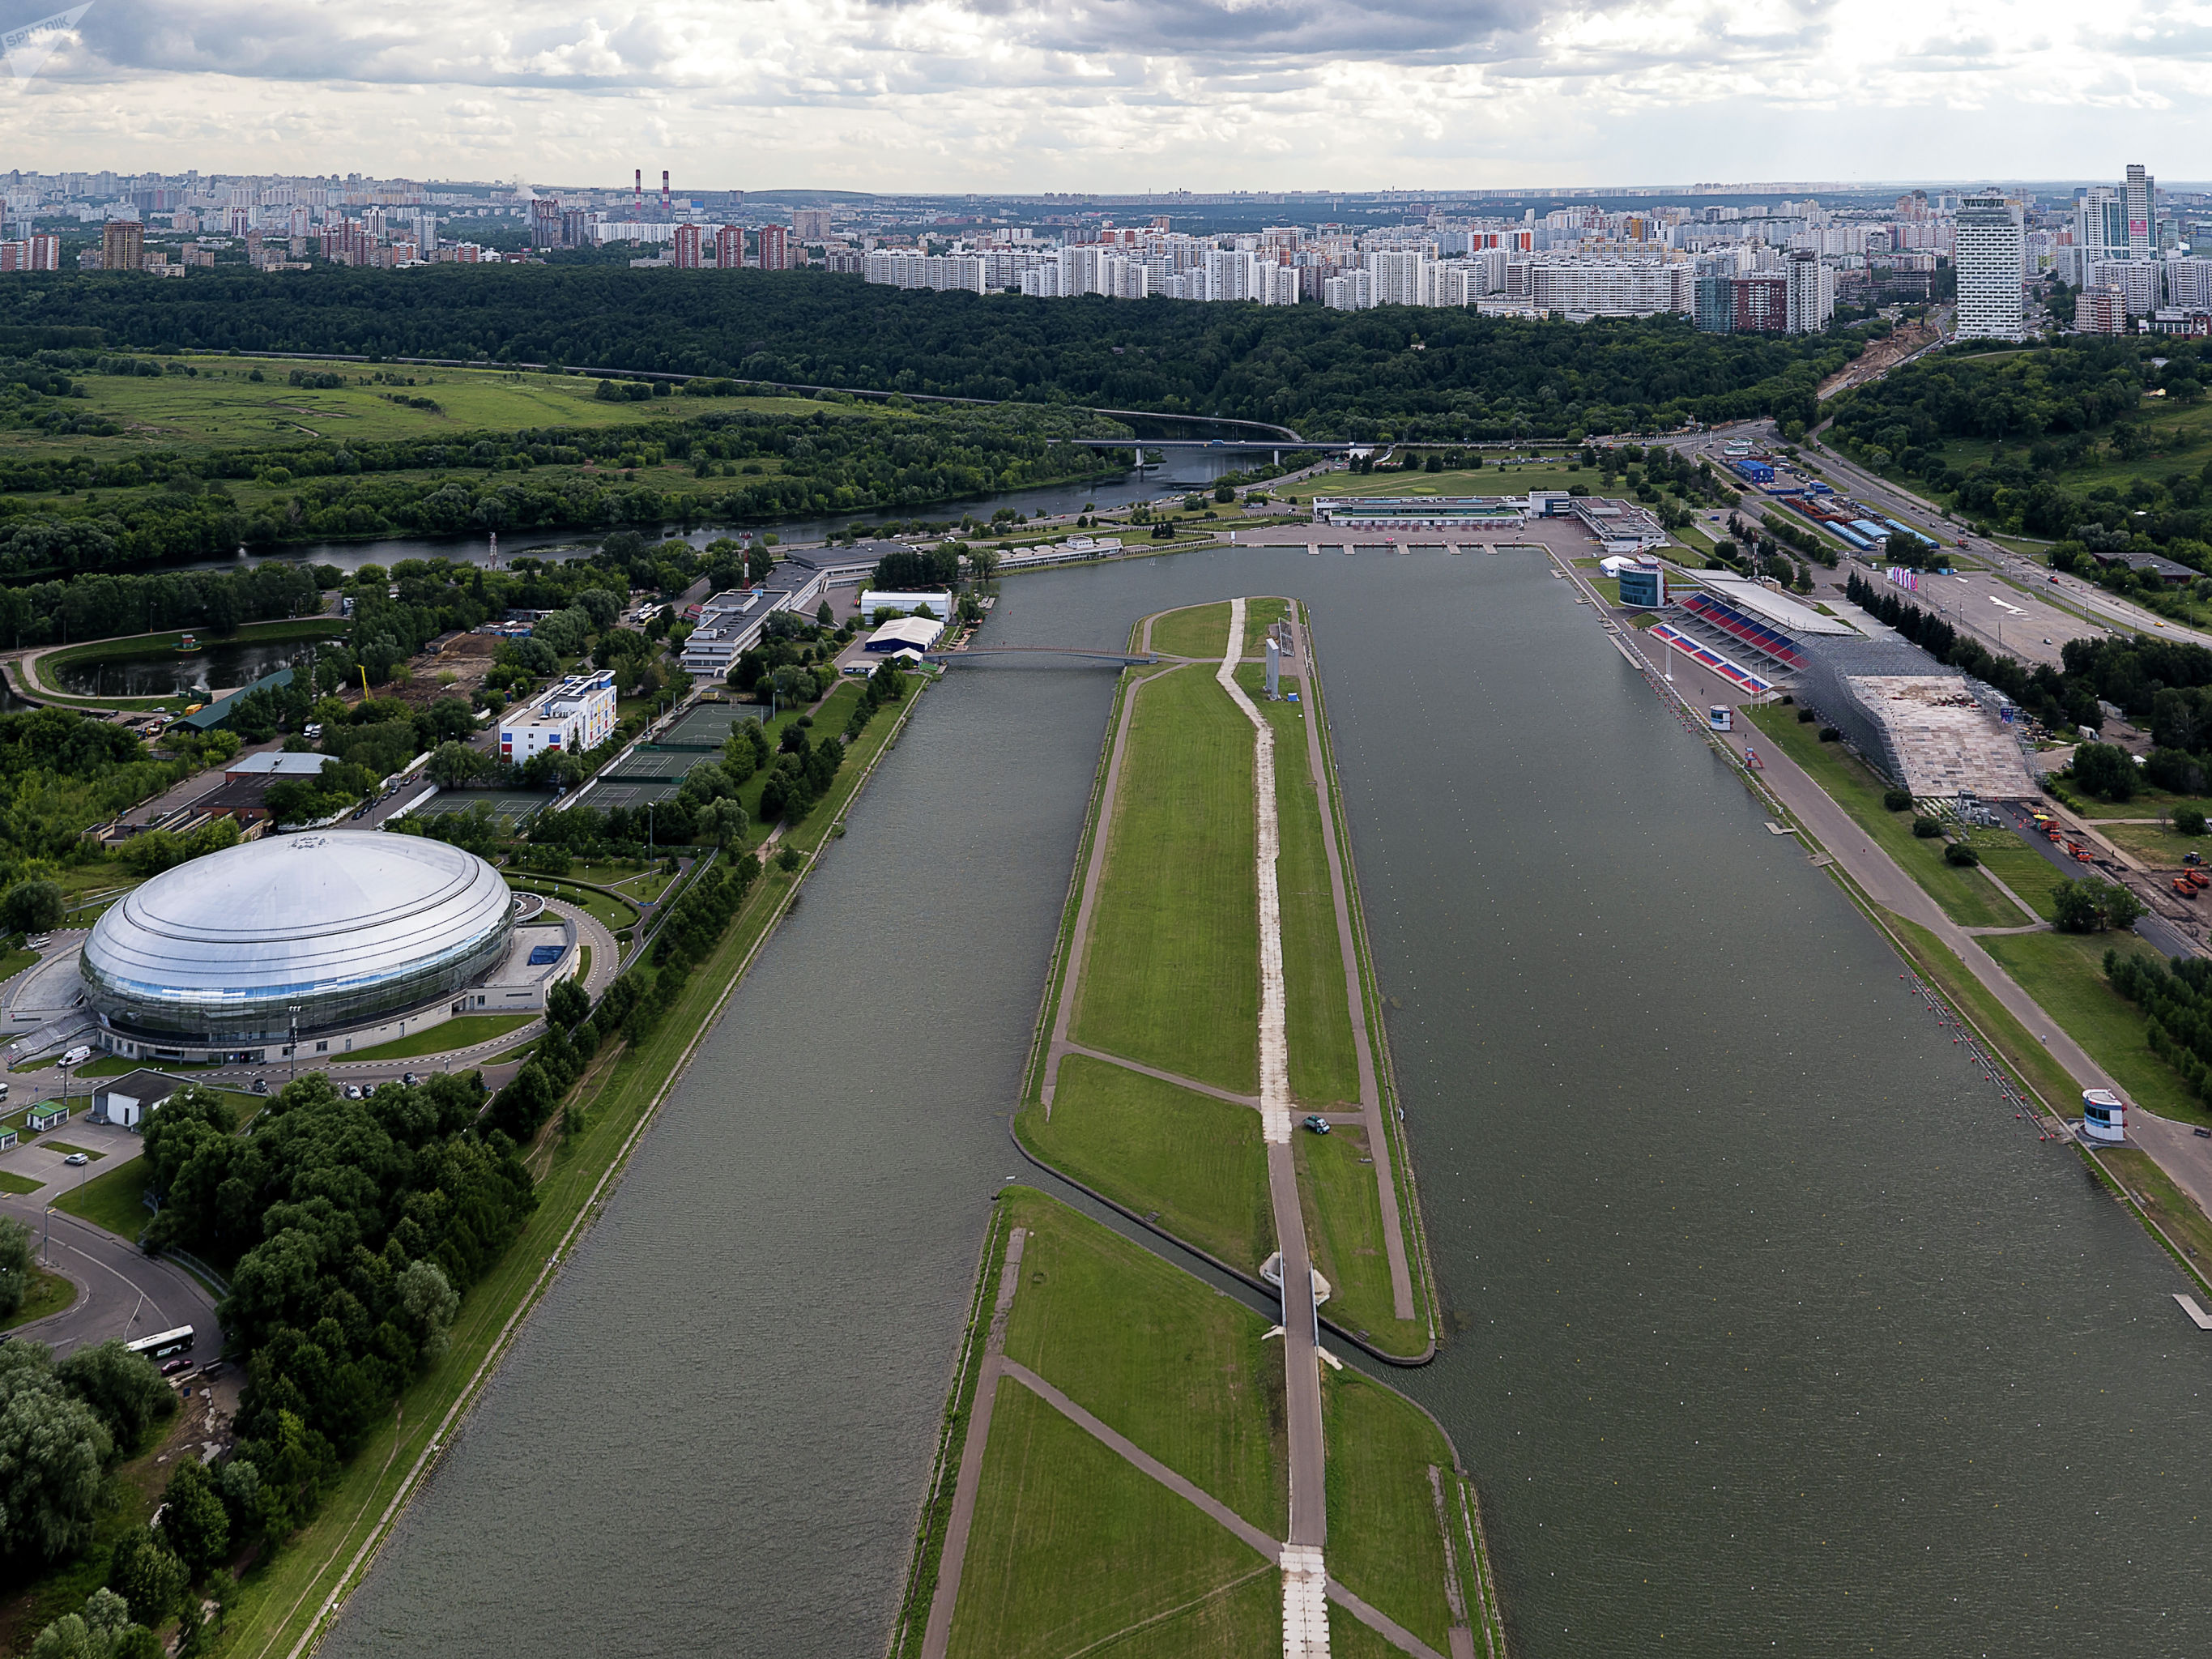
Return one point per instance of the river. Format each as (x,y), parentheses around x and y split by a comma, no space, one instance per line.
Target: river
(1051,499)
(1770,1329)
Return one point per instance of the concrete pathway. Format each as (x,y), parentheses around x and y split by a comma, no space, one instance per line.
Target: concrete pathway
(938,1631)
(2177,1149)
(1305,1616)
(1180,1081)
(1371,1093)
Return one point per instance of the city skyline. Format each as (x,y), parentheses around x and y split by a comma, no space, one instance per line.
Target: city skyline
(955,95)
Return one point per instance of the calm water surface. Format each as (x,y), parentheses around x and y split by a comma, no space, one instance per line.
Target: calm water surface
(223,665)
(1772,1332)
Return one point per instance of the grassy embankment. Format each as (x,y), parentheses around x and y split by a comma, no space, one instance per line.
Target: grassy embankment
(1966,894)
(1074,1549)
(284,1599)
(465,1032)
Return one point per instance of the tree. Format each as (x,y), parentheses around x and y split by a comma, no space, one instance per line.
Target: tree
(195,1525)
(103,1630)
(125,1387)
(32,906)
(454,765)
(145,1573)
(823,615)
(2188,821)
(430,1303)
(2105,770)
(725,820)
(15,1253)
(2092,905)
(447,720)
(567,1005)
(51,1449)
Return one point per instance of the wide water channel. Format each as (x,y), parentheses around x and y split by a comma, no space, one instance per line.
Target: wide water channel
(1771,1330)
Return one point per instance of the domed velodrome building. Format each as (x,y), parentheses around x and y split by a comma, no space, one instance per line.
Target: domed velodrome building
(327,941)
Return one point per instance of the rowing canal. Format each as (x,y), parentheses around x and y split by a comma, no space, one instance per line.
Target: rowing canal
(1771,1330)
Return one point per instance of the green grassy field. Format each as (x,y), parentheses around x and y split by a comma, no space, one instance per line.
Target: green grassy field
(1489,480)
(1194,1163)
(465,1032)
(1171,975)
(2144,804)
(1343,1206)
(1966,897)
(1200,631)
(114,1199)
(2064,973)
(605,909)
(1261,615)
(222,406)
(1384,1541)
(2155,843)
(18,1184)
(1073,1550)
(1178,1368)
(2021,867)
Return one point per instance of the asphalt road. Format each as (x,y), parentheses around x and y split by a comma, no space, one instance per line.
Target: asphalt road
(121,1290)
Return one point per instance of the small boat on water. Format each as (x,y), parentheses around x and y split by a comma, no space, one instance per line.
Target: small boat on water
(188,645)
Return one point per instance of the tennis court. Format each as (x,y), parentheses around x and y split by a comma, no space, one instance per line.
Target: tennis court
(645,776)
(708,724)
(510,806)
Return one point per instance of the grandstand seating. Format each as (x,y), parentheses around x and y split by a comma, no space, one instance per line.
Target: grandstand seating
(1697,652)
(1762,637)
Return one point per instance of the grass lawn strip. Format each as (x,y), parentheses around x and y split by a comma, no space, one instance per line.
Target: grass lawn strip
(2171,1211)
(1966,897)
(1171,975)
(1324,1071)
(465,1032)
(2065,975)
(114,1199)
(1261,615)
(49,1293)
(1192,1164)
(2021,867)
(1200,631)
(1177,1367)
(286,1601)
(1384,1543)
(1071,1545)
(20,1185)
(1342,1204)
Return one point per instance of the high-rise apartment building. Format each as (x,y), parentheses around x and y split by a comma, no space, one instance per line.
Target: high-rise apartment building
(687,247)
(2140,196)
(729,247)
(2101,309)
(1761,305)
(1812,293)
(545,222)
(775,248)
(810,224)
(1988,253)
(122,244)
(1403,278)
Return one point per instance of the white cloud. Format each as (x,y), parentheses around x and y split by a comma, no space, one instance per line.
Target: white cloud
(1113,94)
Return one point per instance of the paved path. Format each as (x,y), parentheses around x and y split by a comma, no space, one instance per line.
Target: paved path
(938,1631)
(1180,1081)
(1305,1612)
(1370,1094)
(2176,1149)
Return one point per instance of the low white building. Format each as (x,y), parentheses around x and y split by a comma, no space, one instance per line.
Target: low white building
(876,600)
(575,716)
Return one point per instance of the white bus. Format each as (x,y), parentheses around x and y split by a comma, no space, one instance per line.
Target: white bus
(164,1344)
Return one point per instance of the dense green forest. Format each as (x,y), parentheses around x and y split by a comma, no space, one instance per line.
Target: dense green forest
(730,466)
(1444,375)
(2062,442)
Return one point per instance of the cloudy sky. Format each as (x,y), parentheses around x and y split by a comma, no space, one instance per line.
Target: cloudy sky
(1122,94)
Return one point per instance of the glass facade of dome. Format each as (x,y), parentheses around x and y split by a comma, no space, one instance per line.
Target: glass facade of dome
(296,933)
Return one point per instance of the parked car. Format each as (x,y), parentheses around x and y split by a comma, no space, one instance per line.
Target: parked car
(76,1160)
(409,1079)
(353,1092)
(78,1055)
(1317,1123)
(176,1365)
(261,1085)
